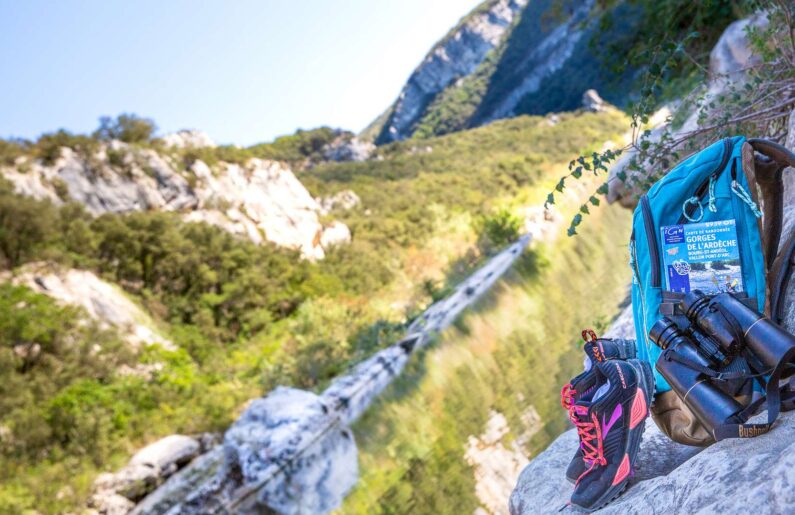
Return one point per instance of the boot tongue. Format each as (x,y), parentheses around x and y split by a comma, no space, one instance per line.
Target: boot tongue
(608,377)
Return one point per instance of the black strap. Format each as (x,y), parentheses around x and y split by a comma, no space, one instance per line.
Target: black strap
(671,355)
(736,328)
(774,395)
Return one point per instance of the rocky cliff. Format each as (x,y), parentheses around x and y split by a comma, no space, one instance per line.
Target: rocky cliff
(507,58)
(259,200)
(456,56)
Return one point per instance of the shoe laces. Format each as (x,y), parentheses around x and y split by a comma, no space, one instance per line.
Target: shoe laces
(567,394)
(590,434)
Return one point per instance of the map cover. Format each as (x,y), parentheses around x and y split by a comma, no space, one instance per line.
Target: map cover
(702,256)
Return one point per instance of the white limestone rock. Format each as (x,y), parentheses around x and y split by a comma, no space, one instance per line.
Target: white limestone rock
(345,199)
(263,200)
(101,300)
(496,467)
(260,201)
(145,471)
(132,482)
(337,233)
(348,149)
(109,503)
(729,477)
(592,102)
(288,453)
(186,138)
(182,484)
(167,454)
(623,326)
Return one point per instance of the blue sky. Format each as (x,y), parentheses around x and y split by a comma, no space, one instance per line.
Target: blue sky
(243,71)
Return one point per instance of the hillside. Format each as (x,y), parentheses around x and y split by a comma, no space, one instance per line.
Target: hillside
(542,59)
(242,317)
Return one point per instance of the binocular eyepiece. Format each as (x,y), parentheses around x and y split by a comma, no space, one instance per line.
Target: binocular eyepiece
(721,328)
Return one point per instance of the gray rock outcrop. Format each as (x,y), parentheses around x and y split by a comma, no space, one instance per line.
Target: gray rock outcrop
(348,149)
(261,200)
(592,102)
(117,493)
(547,56)
(101,300)
(732,476)
(456,56)
(345,199)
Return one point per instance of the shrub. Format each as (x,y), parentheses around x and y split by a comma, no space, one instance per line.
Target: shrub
(128,127)
(498,230)
(48,146)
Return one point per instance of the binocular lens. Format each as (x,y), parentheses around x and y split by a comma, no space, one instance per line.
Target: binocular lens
(711,406)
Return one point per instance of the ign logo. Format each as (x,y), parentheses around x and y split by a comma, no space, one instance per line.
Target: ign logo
(674,234)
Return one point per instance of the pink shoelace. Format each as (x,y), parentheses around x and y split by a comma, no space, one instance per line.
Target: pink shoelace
(590,434)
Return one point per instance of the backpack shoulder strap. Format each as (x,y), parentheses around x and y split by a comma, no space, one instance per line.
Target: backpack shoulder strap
(779,279)
(764,162)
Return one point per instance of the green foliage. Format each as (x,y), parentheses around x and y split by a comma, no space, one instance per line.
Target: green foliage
(498,230)
(46,348)
(471,171)
(48,147)
(757,105)
(26,226)
(246,317)
(127,127)
(10,150)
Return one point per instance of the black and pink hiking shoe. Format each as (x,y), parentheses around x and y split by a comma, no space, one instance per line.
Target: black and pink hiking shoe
(610,422)
(597,350)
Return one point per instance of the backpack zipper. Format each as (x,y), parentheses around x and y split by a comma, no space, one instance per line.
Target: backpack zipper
(702,188)
(651,237)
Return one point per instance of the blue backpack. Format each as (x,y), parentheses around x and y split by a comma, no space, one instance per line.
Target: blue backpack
(717,184)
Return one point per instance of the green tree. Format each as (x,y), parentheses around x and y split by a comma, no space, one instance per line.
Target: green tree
(26,225)
(126,127)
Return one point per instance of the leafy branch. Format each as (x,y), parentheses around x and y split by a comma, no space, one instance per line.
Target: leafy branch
(755,100)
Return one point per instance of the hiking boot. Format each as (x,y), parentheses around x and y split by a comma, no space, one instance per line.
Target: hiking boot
(610,424)
(596,351)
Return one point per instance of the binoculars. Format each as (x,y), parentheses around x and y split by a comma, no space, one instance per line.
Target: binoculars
(722,329)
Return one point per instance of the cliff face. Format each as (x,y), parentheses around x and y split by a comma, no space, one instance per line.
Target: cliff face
(260,200)
(456,56)
(506,59)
